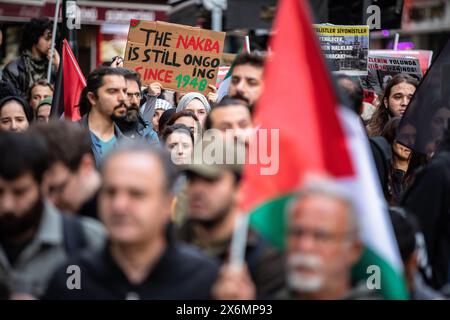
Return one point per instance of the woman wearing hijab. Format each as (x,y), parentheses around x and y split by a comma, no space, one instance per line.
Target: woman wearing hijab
(197,103)
(15,114)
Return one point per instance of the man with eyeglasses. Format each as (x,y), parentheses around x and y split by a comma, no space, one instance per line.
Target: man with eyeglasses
(132,124)
(322,245)
(72,181)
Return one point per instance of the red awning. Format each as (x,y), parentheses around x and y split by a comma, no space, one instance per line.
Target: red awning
(92,12)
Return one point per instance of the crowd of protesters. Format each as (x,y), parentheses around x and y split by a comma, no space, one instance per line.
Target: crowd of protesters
(116,194)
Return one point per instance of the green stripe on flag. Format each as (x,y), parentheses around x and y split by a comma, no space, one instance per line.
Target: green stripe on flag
(269,220)
(393,284)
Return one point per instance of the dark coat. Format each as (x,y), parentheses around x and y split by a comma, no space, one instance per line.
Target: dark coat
(429,199)
(182,272)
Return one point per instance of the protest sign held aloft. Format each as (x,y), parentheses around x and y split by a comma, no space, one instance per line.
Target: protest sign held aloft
(424,56)
(383,68)
(180,57)
(344,47)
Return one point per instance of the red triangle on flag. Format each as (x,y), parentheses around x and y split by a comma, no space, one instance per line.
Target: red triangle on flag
(74,83)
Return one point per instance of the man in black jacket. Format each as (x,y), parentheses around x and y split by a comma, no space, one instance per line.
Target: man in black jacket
(33,62)
(141,260)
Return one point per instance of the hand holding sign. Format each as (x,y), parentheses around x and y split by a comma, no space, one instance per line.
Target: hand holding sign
(179,57)
(154,89)
(212,96)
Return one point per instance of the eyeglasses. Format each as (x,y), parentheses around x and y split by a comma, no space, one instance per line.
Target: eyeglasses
(320,236)
(137,95)
(58,188)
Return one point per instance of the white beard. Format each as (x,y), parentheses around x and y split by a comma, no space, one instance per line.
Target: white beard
(302,282)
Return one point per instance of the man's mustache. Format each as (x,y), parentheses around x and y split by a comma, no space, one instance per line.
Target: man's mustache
(122,105)
(240,97)
(133,107)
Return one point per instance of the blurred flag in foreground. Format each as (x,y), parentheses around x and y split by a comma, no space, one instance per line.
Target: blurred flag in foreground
(317,138)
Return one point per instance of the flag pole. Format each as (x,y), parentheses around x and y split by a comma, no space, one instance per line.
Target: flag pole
(396,41)
(239,241)
(52,49)
(247,43)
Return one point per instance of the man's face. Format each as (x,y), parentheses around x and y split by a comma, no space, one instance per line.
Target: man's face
(133,102)
(399,98)
(44,43)
(246,83)
(133,203)
(43,114)
(20,205)
(234,118)
(111,97)
(38,93)
(321,243)
(210,201)
(62,187)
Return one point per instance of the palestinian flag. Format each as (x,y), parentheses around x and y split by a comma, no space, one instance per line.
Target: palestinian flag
(315,138)
(225,84)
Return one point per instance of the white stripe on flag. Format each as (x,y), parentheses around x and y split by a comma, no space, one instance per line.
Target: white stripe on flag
(376,229)
(223,88)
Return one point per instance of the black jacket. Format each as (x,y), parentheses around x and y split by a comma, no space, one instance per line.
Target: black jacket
(429,199)
(265,263)
(15,73)
(182,272)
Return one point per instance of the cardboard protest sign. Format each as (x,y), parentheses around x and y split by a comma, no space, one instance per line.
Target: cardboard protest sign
(179,57)
(345,47)
(424,56)
(383,68)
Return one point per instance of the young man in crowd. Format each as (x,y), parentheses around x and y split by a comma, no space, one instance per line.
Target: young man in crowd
(33,62)
(40,90)
(35,238)
(212,212)
(233,118)
(73,181)
(247,83)
(103,101)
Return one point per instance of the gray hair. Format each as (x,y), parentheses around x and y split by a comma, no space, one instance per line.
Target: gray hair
(329,188)
(126,145)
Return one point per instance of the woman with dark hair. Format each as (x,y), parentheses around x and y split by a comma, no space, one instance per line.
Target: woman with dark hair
(179,141)
(404,161)
(165,117)
(15,114)
(397,94)
(190,120)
